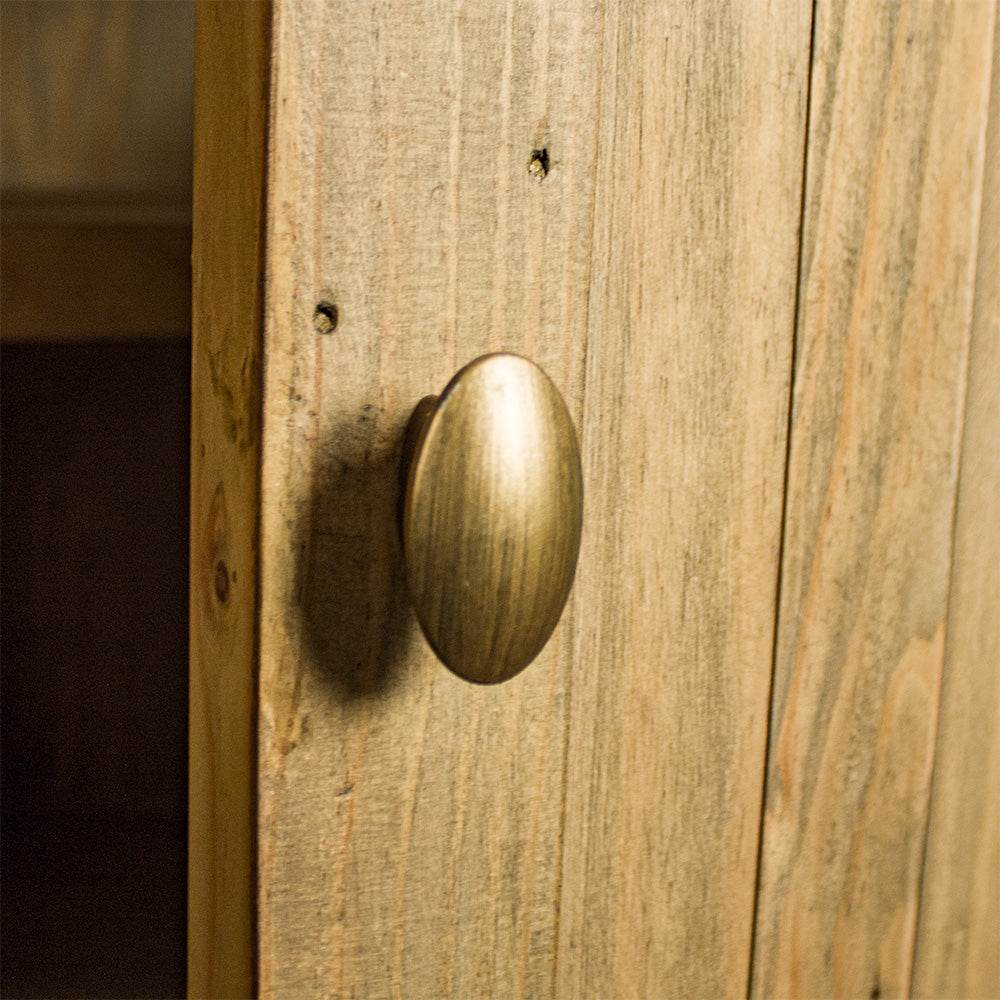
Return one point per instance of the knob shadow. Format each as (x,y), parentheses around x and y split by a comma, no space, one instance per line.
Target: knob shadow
(350,593)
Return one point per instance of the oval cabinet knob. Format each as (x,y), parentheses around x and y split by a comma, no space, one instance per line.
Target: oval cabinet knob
(492,510)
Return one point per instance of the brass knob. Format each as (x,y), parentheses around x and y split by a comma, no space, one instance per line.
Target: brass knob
(491,514)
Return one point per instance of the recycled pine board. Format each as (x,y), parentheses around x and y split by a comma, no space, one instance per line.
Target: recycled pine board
(615,193)
(899,102)
(958,931)
(692,293)
(227,291)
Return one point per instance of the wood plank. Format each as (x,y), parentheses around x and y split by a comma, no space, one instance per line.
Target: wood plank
(231,103)
(690,325)
(418,835)
(895,166)
(65,282)
(958,932)
(409,821)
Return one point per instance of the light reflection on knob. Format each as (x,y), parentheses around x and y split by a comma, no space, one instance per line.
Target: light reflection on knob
(491,515)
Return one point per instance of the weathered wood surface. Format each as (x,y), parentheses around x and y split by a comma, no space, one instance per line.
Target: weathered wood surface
(894,181)
(691,308)
(410,822)
(231,97)
(590,827)
(958,933)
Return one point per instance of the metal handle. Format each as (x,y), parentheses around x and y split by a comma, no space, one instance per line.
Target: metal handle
(491,515)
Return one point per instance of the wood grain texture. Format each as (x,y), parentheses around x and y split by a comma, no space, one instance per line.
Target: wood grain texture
(958,932)
(690,320)
(895,167)
(590,827)
(231,96)
(410,821)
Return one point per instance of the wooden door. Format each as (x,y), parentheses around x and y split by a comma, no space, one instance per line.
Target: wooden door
(744,241)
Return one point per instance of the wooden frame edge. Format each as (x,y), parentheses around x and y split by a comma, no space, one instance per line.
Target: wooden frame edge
(231,113)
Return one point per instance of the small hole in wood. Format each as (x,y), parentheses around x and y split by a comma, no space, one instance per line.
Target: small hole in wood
(325,317)
(538,165)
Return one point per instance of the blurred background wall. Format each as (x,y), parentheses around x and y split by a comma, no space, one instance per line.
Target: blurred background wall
(97,100)
(95,230)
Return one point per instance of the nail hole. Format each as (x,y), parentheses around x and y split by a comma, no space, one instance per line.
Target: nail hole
(538,165)
(325,317)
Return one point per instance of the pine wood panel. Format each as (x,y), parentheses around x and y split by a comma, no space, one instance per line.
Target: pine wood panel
(690,316)
(410,822)
(958,933)
(231,105)
(894,177)
(589,827)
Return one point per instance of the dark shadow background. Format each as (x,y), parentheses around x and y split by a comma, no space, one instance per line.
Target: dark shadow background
(349,579)
(94,510)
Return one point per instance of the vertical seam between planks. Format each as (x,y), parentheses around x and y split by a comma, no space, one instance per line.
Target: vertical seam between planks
(789,424)
(992,120)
